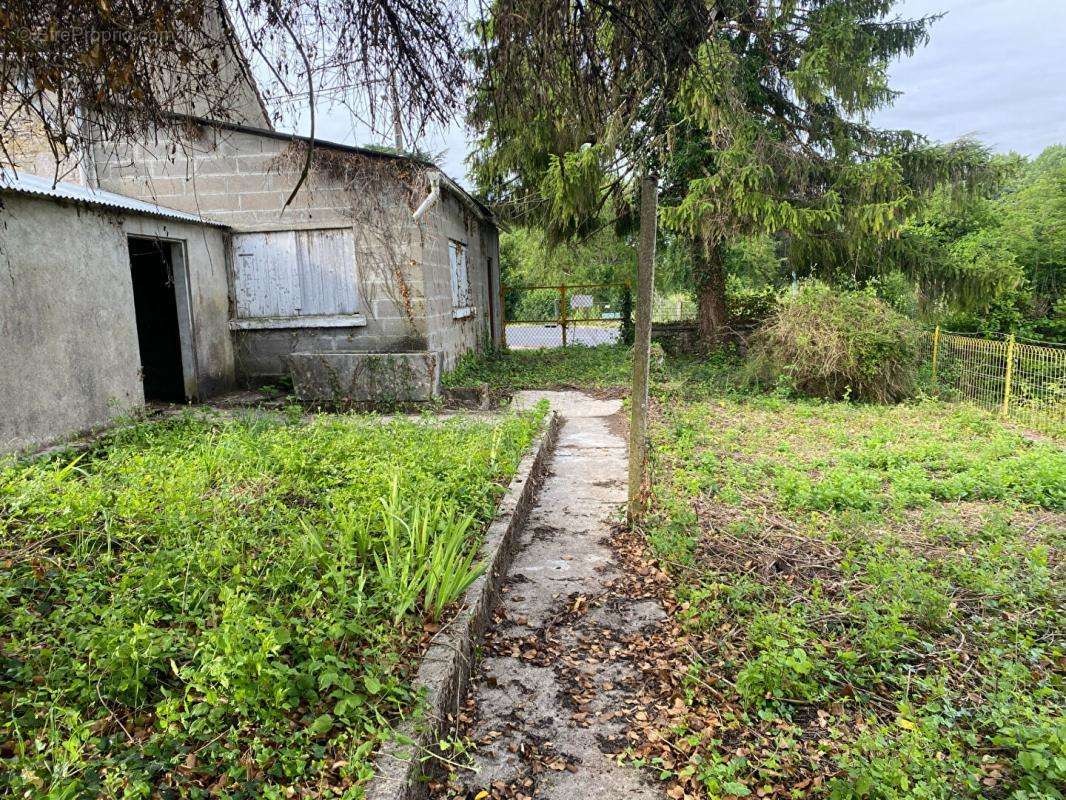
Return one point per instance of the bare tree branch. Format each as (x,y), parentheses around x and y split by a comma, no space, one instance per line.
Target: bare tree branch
(131,67)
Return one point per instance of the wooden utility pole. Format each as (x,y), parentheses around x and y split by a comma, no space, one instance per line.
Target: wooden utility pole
(638,423)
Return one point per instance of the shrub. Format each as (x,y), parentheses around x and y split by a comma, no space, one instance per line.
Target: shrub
(837,345)
(750,306)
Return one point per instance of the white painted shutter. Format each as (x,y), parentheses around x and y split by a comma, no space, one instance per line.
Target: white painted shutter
(295,273)
(460,276)
(326,264)
(265,280)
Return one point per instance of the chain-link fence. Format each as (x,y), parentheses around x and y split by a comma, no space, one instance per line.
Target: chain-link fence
(564,316)
(1021,381)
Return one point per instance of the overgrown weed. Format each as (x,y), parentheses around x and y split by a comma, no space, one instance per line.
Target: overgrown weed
(232,607)
(879,592)
(576,367)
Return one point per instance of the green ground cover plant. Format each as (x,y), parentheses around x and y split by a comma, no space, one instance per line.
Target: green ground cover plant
(602,367)
(232,607)
(877,596)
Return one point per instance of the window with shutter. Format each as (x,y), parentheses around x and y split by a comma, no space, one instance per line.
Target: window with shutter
(305,278)
(460,275)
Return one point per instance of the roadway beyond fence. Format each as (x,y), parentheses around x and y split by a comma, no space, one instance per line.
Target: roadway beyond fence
(583,314)
(530,335)
(561,316)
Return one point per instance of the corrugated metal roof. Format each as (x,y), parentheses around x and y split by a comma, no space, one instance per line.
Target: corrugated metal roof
(24,183)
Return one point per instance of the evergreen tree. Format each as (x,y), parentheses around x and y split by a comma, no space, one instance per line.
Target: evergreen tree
(996,262)
(755,111)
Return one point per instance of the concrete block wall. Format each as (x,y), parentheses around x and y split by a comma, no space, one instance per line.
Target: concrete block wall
(233,86)
(235,177)
(28,149)
(234,82)
(243,179)
(453,220)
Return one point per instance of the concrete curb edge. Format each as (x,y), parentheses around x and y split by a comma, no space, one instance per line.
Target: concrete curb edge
(444,673)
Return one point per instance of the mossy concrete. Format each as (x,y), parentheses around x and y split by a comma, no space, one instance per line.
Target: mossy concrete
(342,381)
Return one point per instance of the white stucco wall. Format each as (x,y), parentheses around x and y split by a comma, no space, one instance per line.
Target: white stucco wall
(69,358)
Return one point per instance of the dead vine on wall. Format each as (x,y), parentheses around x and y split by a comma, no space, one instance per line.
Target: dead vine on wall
(382,193)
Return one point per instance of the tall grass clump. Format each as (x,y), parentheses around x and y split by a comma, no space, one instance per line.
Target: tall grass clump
(425,553)
(836,344)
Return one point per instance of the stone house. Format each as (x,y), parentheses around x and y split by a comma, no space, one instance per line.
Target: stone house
(377,253)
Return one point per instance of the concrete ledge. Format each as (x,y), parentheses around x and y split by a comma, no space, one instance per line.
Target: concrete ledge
(479,397)
(402,767)
(344,381)
(285,323)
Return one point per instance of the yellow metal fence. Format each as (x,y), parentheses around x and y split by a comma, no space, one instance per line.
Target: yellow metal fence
(561,316)
(1018,380)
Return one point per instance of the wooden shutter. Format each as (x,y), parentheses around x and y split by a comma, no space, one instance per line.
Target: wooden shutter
(460,276)
(295,273)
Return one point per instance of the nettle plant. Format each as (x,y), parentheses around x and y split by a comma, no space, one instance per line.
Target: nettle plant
(214,606)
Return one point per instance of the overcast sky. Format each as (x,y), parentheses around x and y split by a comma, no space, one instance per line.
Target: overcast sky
(994,69)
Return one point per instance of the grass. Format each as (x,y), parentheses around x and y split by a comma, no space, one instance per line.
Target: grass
(597,368)
(602,367)
(232,607)
(878,597)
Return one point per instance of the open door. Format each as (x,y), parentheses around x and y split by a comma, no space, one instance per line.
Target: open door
(158,332)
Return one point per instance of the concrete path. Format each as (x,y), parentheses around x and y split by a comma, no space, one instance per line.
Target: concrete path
(547,698)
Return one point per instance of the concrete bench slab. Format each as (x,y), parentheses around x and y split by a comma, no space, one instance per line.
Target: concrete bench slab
(343,381)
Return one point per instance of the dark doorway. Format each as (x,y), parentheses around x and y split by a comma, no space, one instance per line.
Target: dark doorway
(156,307)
